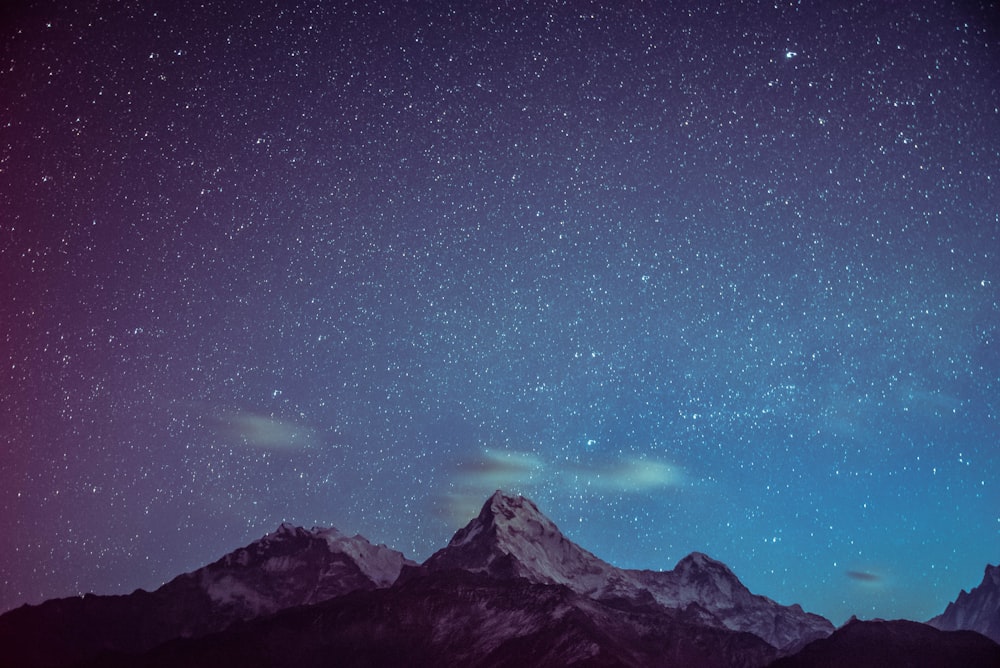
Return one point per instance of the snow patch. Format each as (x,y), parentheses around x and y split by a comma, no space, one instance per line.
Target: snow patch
(229,591)
(379,563)
(513,526)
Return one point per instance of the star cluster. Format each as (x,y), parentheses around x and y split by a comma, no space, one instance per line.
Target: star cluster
(694,276)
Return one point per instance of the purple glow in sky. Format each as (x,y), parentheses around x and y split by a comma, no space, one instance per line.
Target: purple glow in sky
(720,277)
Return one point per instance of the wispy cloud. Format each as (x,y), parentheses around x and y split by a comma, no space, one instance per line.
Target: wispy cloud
(864,576)
(519,471)
(500,468)
(477,476)
(262,431)
(630,475)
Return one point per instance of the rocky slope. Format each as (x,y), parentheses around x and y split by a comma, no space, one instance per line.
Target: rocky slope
(456,618)
(289,567)
(977,610)
(509,589)
(512,538)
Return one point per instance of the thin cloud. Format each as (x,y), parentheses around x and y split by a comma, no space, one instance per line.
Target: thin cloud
(499,469)
(517,471)
(631,475)
(476,477)
(457,508)
(261,431)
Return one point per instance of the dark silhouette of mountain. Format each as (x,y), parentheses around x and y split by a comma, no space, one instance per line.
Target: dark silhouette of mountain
(456,618)
(977,610)
(888,644)
(289,567)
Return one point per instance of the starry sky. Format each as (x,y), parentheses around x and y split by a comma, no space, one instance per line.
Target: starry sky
(692,275)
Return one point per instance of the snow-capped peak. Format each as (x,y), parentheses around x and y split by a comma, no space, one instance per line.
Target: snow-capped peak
(511,538)
(700,575)
(286,529)
(699,562)
(292,566)
(381,564)
(508,515)
(700,559)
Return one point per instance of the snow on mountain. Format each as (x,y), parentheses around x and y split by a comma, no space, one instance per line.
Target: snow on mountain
(512,538)
(292,566)
(380,564)
(513,561)
(977,610)
(457,618)
(287,568)
(709,590)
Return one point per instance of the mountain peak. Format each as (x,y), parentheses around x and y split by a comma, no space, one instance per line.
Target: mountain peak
(699,561)
(700,570)
(976,610)
(510,541)
(512,538)
(517,514)
(286,529)
(506,519)
(509,506)
(378,563)
(289,567)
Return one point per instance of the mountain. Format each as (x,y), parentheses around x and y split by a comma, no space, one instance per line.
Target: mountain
(512,538)
(457,618)
(977,610)
(701,585)
(289,567)
(508,590)
(884,644)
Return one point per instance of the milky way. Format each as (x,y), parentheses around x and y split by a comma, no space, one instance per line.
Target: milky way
(716,278)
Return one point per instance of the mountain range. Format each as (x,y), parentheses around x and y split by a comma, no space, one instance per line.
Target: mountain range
(287,568)
(508,590)
(511,538)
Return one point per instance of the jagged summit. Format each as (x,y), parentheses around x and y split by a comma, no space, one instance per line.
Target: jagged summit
(699,577)
(510,541)
(700,562)
(290,546)
(512,538)
(976,610)
(503,515)
(286,568)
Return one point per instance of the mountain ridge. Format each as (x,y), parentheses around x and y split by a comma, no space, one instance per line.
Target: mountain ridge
(458,618)
(288,567)
(508,588)
(511,538)
(976,610)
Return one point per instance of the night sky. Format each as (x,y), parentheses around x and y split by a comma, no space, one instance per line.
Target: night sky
(691,276)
